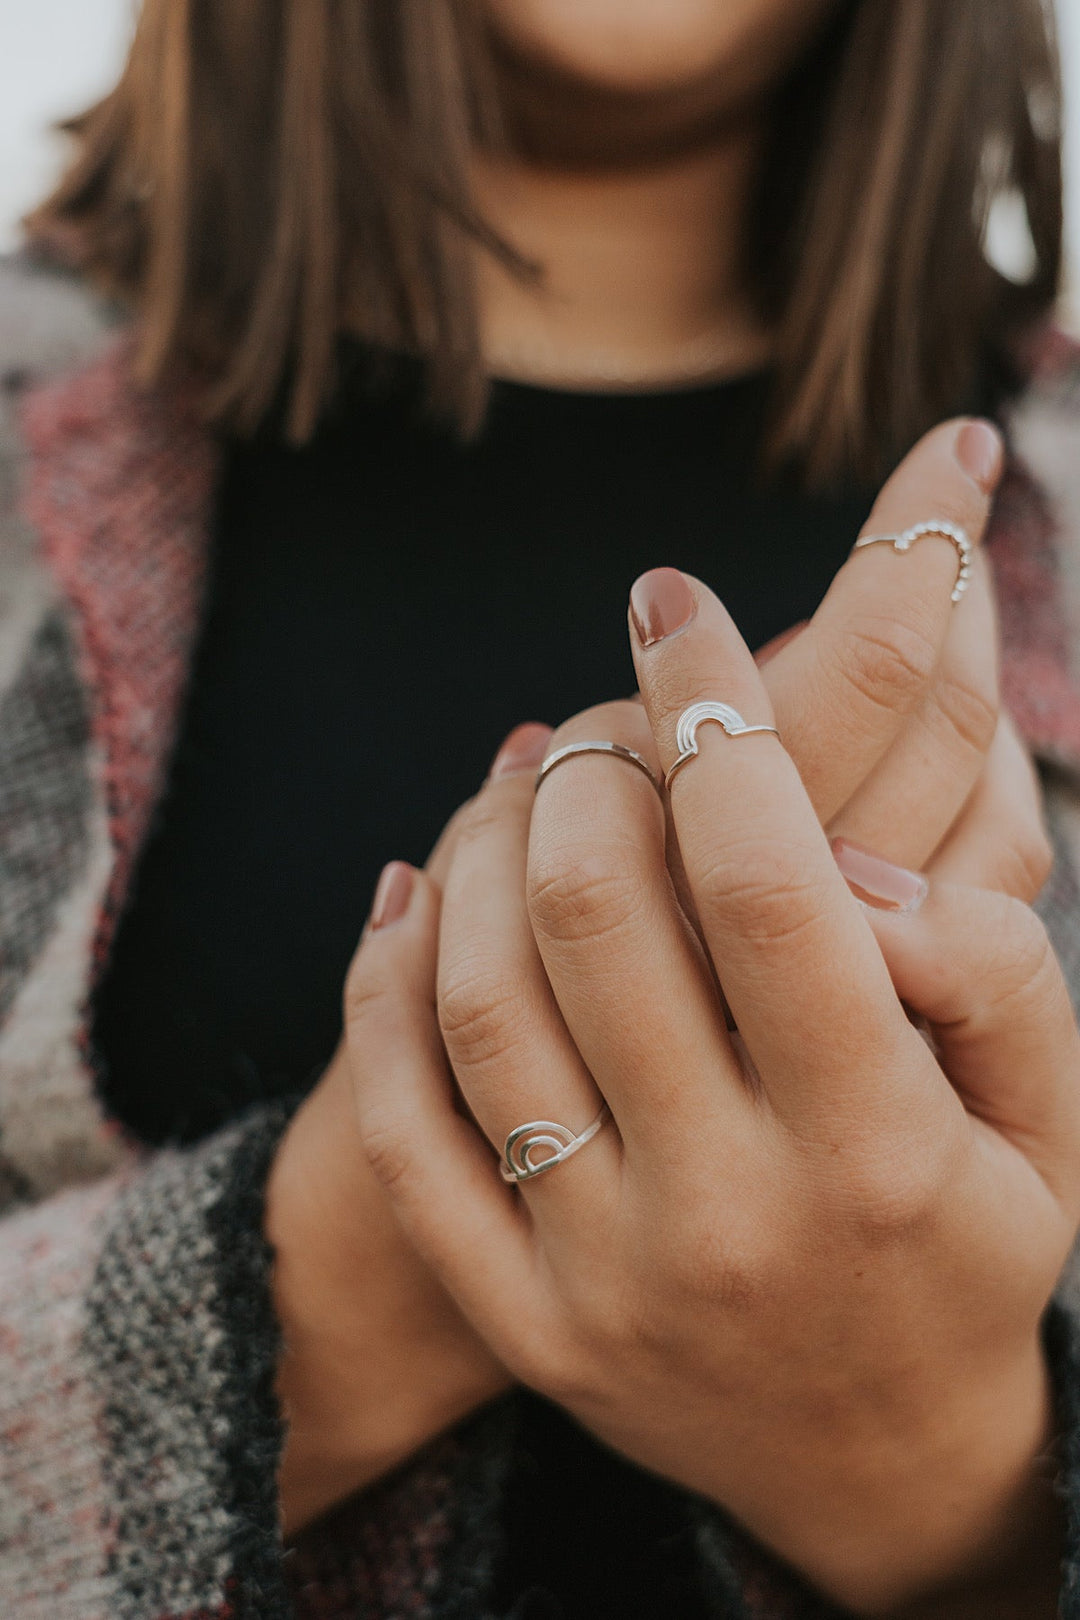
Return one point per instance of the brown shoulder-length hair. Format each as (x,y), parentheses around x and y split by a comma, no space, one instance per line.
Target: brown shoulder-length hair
(265,168)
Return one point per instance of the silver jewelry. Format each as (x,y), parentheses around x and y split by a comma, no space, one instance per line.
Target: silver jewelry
(617,749)
(695,716)
(518,1162)
(919,531)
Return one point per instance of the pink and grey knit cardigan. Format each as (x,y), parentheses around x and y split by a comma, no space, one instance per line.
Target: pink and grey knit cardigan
(139,1434)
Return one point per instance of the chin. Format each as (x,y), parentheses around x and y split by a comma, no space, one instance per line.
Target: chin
(642,48)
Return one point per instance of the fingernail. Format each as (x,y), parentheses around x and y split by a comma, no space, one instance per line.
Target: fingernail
(392,894)
(980,451)
(879,883)
(661,602)
(523,750)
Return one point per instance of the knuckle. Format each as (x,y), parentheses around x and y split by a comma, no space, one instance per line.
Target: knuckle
(554,1360)
(970,712)
(603,1308)
(366,990)
(898,1198)
(707,1264)
(1020,957)
(767,890)
(479,819)
(1037,855)
(584,899)
(481,1014)
(388,1146)
(1024,864)
(886,662)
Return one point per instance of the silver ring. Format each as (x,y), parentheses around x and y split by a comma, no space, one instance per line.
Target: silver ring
(518,1163)
(947,531)
(698,713)
(614,748)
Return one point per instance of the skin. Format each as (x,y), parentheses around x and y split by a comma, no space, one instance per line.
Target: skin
(385,1343)
(809,1286)
(640,125)
(803,1272)
(649,48)
(379,1359)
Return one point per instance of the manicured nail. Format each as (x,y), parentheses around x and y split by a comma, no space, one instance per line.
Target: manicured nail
(980,451)
(661,602)
(879,883)
(392,895)
(523,750)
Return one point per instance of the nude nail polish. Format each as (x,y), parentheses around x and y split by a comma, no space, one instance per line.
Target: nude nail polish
(661,602)
(392,895)
(981,453)
(878,883)
(523,750)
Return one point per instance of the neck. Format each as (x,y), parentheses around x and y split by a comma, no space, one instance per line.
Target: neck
(639,269)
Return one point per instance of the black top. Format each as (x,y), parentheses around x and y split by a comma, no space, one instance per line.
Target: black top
(384,605)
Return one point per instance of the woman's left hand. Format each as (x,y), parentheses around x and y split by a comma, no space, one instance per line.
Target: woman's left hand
(802,1271)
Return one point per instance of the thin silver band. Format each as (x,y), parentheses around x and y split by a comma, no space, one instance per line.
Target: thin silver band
(518,1163)
(919,531)
(697,715)
(613,748)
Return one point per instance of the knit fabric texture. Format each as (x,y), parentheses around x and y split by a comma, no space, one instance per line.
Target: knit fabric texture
(139,1432)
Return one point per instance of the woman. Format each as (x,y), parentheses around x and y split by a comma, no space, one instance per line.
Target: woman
(450,320)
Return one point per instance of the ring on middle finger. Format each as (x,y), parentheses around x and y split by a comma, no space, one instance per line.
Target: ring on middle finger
(697,715)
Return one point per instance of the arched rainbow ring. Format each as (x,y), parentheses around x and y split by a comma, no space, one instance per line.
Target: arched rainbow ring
(695,716)
(558,1143)
(947,531)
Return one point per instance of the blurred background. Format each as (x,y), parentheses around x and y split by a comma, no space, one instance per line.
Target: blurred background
(56,55)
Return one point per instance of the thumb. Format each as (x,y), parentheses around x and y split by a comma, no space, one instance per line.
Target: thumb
(979,967)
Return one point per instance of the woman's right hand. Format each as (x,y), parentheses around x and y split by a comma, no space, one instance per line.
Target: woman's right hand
(889,707)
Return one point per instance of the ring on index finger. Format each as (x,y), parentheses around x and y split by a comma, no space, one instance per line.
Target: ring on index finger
(904,541)
(617,750)
(696,715)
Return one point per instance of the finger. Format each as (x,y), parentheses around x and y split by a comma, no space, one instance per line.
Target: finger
(813,1003)
(523,743)
(980,968)
(768,651)
(439,1174)
(1000,840)
(508,1045)
(438,862)
(629,974)
(844,688)
(914,794)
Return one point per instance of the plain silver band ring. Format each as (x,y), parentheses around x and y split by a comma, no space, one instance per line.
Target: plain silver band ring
(613,748)
(920,531)
(517,1164)
(696,715)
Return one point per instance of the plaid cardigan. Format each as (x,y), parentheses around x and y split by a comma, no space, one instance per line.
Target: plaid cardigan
(139,1432)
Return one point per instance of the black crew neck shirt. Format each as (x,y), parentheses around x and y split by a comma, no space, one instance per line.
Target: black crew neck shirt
(384,605)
